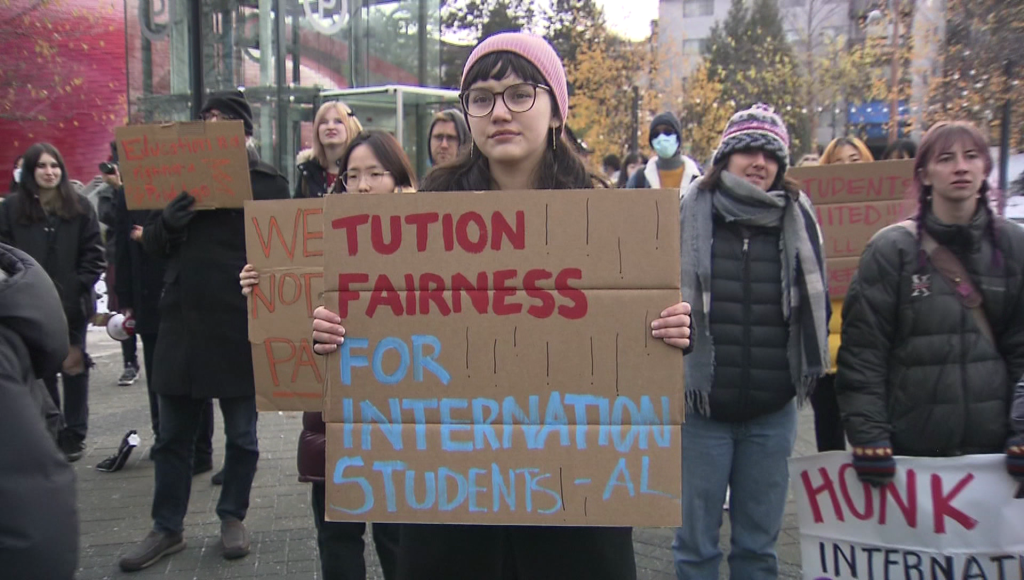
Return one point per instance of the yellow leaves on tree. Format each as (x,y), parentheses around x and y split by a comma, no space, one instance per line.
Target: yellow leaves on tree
(703,114)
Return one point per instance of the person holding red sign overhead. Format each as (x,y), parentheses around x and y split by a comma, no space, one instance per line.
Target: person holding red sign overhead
(933,324)
(373,163)
(515,96)
(203,352)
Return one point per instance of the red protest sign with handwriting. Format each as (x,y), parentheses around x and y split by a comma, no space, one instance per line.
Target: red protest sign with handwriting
(208,160)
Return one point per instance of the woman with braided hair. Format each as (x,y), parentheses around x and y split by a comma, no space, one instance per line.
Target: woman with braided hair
(929,359)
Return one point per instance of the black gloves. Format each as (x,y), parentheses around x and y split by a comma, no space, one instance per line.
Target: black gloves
(179,212)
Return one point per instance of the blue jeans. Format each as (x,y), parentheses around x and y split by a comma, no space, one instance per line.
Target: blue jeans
(180,419)
(751,459)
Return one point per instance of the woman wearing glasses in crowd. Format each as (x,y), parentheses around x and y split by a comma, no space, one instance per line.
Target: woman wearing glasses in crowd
(320,165)
(373,162)
(515,95)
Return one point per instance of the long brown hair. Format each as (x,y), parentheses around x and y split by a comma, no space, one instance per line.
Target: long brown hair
(388,152)
(942,137)
(32,209)
(560,167)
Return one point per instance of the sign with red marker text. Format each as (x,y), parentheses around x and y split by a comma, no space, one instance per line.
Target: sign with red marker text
(284,241)
(498,365)
(940,519)
(853,202)
(208,160)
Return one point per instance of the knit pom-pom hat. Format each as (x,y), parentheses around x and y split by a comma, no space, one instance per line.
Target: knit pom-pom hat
(758,127)
(534,49)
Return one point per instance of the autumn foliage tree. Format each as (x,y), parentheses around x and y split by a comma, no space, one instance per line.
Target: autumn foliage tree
(703,113)
(981,47)
(748,54)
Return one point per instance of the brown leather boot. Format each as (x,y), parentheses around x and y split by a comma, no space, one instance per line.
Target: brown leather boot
(235,538)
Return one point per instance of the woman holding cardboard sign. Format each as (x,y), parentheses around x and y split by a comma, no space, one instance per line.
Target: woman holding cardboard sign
(828,425)
(933,324)
(763,341)
(515,96)
(373,163)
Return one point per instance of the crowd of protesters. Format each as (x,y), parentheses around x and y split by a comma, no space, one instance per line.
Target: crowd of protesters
(911,363)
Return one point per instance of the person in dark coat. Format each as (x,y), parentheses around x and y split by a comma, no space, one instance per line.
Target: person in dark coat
(333,127)
(761,343)
(58,227)
(203,352)
(139,280)
(917,374)
(39,534)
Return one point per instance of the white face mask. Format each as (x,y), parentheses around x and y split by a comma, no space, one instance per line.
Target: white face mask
(17,175)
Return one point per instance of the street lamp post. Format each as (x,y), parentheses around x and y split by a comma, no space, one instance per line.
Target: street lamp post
(894,107)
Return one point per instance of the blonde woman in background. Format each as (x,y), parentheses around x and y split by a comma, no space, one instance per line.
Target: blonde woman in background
(319,166)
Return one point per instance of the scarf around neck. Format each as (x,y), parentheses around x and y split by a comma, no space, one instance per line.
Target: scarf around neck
(803,278)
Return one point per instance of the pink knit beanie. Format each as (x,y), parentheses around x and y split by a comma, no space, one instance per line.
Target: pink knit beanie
(534,49)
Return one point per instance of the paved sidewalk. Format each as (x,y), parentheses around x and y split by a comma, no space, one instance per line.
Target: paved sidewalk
(114,507)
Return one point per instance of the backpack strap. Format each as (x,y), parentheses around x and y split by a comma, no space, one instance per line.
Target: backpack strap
(953,270)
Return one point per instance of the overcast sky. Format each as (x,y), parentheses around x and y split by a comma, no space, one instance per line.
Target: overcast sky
(630,18)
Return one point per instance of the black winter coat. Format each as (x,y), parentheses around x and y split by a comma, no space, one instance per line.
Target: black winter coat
(914,368)
(39,534)
(311,179)
(139,277)
(752,375)
(203,351)
(71,252)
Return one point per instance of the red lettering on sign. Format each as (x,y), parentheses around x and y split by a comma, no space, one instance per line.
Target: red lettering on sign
(432,290)
(942,504)
(351,224)
(462,232)
(503,292)
(812,491)
(869,500)
(302,285)
(266,242)
(547,302)
(579,299)
(377,235)
(384,294)
(344,294)
(421,221)
(908,508)
(477,294)
(500,228)
(410,294)
(300,357)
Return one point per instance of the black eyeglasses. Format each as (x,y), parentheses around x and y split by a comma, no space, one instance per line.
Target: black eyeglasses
(666,131)
(518,98)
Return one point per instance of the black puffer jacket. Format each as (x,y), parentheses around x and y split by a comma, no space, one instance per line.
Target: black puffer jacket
(39,529)
(311,178)
(914,368)
(204,351)
(751,366)
(72,254)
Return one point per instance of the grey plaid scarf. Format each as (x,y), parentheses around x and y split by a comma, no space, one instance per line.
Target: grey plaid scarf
(804,294)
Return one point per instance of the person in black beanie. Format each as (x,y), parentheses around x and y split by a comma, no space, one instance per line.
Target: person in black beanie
(203,352)
(669,168)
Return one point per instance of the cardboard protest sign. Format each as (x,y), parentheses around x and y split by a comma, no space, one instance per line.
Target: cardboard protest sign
(208,160)
(284,241)
(853,202)
(941,518)
(498,365)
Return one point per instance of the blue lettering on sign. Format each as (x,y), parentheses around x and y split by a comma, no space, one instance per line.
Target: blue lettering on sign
(419,407)
(555,420)
(418,359)
(503,490)
(444,477)
(392,429)
(482,427)
(410,490)
(475,488)
(580,403)
(387,468)
(620,471)
(340,479)
(512,413)
(645,475)
(449,425)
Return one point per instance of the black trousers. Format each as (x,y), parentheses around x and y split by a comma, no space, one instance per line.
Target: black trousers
(204,438)
(342,547)
(75,410)
(431,552)
(130,351)
(828,422)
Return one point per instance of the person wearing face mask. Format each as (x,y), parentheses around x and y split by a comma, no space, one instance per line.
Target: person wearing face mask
(669,168)
(319,166)
(373,163)
(15,175)
(761,340)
